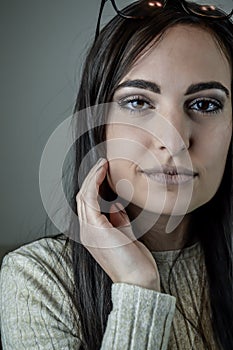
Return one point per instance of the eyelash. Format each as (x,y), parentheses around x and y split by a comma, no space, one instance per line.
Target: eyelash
(217,105)
(124,101)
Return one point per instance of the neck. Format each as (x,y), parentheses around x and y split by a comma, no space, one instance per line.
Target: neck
(154,236)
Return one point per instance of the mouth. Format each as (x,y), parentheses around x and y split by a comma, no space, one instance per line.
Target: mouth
(170,175)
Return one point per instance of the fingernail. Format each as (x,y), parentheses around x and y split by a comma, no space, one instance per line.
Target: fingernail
(100,160)
(100,163)
(120,207)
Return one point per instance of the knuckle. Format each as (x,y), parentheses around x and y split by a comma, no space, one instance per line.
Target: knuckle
(79,197)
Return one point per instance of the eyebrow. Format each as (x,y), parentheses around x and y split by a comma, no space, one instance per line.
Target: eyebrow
(148,85)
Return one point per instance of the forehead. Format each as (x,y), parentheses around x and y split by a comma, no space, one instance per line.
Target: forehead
(184,53)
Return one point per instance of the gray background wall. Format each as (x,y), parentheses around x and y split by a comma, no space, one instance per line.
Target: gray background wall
(43,44)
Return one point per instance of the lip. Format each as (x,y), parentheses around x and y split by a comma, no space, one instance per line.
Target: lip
(170,175)
(170,170)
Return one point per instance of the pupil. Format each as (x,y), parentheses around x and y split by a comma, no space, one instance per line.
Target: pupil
(138,104)
(204,105)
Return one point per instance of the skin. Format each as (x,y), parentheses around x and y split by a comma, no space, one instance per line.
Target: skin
(205,137)
(170,130)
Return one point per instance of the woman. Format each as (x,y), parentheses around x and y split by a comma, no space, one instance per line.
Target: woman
(167,74)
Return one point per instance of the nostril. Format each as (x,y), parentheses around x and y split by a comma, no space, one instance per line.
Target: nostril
(176,147)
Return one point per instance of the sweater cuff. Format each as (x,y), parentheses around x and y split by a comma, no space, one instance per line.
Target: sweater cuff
(140,319)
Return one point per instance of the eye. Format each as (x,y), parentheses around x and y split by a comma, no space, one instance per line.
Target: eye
(206,106)
(135,104)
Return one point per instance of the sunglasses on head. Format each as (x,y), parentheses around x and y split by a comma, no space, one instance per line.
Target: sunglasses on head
(214,10)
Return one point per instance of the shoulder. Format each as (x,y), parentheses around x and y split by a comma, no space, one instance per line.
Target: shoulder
(43,250)
(45,261)
(36,297)
(36,290)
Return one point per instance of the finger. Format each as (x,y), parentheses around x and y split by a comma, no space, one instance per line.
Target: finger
(90,187)
(96,230)
(120,220)
(93,234)
(98,236)
(89,209)
(91,194)
(89,176)
(82,194)
(102,234)
(118,216)
(93,216)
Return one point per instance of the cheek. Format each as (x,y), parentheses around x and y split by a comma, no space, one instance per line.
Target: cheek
(126,143)
(126,146)
(211,144)
(220,145)
(127,132)
(210,153)
(120,177)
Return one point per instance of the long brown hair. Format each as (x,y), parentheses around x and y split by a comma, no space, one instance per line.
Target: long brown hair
(109,59)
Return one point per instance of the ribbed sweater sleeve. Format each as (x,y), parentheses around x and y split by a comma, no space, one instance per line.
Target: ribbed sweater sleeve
(36,310)
(140,319)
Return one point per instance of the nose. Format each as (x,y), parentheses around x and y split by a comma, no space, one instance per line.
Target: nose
(173,132)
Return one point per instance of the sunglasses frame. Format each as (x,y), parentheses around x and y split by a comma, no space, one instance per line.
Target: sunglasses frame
(184,4)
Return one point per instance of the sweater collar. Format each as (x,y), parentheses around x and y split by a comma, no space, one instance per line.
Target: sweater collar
(193,251)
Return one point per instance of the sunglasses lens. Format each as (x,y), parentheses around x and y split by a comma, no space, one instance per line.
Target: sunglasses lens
(121,4)
(215,8)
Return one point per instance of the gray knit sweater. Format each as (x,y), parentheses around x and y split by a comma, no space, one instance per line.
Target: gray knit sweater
(36,284)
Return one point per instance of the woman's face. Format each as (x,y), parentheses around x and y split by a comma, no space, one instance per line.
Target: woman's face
(173,108)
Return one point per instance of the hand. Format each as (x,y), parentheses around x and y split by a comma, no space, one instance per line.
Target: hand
(112,243)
